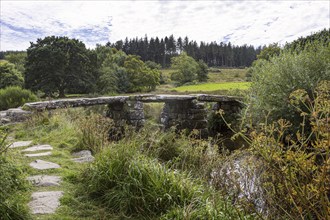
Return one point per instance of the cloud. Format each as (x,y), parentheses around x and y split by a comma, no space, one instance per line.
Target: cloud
(240,22)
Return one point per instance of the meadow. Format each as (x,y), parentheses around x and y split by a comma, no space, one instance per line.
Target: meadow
(207,87)
(227,81)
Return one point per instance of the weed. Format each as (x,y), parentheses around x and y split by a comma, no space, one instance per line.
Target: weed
(94,132)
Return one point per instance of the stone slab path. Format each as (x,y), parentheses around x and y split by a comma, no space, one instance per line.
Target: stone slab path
(44,165)
(38,148)
(45,180)
(39,154)
(20,144)
(45,202)
(83,156)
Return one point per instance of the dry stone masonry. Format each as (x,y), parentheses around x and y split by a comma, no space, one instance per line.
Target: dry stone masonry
(181,111)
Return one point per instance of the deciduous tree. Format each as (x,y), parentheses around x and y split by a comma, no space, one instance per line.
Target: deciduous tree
(56,64)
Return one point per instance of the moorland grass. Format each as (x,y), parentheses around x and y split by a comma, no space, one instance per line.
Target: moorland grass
(214,87)
(129,183)
(13,185)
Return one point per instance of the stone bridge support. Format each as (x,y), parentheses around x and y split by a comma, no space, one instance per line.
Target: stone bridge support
(181,111)
(128,112)
(188,114)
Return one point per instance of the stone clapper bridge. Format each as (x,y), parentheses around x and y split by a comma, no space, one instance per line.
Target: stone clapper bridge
(182,111)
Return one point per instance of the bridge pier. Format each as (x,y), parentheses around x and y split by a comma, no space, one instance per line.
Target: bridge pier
(128,112)
(185,114)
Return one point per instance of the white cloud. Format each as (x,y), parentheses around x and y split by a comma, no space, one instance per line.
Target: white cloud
(243,22)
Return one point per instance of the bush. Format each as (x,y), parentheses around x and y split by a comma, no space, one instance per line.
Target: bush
(274,80)
(297,178)
(187,69)
(12,97)
(9,75)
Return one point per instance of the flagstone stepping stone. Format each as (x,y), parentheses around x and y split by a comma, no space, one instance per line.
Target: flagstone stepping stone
(38,148)
(83,153)
(45,202)
(84,156)
(39,154)
(20,144)
(44,180)
(83,159)
(44,165)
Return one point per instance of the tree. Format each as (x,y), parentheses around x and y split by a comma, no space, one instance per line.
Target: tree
(123,73)
(202,71)
(9,75)
(152,65)
(179,45)
(18,59)
(186,68)
(269,51)
(56,64)
(141,77)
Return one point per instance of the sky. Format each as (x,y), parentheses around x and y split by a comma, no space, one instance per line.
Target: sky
(98,22)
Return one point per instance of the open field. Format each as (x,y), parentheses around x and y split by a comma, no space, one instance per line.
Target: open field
(219,81)
(215,74)
(214,87)
(226,75)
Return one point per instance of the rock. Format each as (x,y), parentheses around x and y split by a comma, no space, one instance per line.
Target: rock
(83,159)
(241,176)
(217,98)
(20,144)
(44,180)
(45,202)
(38,148)
(44,165)
(13,115)
(65,103)
(163,98)
(83,153)
(39,154)
(84,156)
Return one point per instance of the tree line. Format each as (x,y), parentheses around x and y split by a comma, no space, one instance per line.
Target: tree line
(161,50)
(59,65)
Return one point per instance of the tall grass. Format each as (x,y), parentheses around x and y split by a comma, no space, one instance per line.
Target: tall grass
(129,183)
(12,186)
(94,132)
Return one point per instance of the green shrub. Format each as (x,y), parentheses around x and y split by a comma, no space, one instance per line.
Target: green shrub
(9,75)
(274,80)
(12,97)
(297,178)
